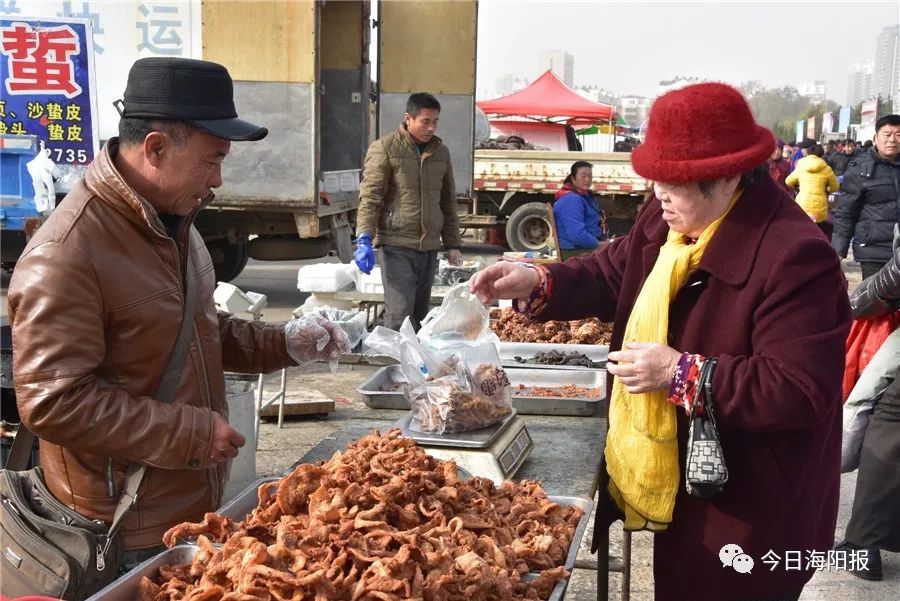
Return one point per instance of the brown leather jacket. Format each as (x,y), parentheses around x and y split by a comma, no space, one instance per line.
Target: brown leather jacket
(95,304)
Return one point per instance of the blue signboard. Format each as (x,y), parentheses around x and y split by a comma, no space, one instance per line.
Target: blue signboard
(48,89)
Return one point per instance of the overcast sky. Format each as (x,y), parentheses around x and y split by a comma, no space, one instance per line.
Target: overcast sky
(628,47)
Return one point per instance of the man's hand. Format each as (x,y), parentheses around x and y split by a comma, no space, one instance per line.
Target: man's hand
(503,280)
(644,366)
(454,257)
(313,338)
(225,441)
(365,254)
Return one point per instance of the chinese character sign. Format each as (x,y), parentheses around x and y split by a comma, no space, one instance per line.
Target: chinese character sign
(800,130)
(811,128)
(827,123)
(47,69)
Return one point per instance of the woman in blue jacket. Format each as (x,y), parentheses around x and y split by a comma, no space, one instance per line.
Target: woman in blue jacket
(580,223)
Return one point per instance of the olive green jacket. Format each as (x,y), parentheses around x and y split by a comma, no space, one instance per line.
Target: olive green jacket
(408,199)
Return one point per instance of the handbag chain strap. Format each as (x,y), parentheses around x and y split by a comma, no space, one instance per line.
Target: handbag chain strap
(704,389)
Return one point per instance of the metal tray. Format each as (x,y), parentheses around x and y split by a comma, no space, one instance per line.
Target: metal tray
(585,505)
(507,364)
(559,591)
(473,439)
(509,350)
(380,399)
(125,588)
(539,405)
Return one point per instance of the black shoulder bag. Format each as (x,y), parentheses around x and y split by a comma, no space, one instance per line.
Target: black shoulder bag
(705,472)
(46,547)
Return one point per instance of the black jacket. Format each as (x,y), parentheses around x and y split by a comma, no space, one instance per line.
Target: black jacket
(868,208)
(840,161)
(879,294)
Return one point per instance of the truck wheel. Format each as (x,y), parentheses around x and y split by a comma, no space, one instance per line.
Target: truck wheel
(528,228)
(229,260)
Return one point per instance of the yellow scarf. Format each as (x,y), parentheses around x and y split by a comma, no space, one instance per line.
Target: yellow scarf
(642,444)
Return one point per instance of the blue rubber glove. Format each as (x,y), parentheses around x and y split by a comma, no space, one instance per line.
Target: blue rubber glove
(365,254)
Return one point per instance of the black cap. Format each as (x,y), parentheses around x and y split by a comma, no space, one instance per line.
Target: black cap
(183,89)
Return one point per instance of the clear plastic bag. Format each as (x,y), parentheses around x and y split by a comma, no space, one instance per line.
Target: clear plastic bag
(476,395)
(461,317)
(453,366)
(352,322)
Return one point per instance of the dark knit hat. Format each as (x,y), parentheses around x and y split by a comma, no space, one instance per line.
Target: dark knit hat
(198,92)
(701,132)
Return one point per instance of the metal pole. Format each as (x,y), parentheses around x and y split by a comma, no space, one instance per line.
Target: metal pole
(259,395)
(283,393)
(626,566)
(603,565)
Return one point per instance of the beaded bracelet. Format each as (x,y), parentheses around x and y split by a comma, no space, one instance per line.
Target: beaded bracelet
(540,295)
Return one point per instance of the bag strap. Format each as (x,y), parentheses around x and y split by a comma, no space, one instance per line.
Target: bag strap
(21,449)
(704,385)
(165,393)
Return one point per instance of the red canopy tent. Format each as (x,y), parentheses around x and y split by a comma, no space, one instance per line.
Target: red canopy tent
(547,97)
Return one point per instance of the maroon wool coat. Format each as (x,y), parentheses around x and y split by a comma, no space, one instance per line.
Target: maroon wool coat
(770,301)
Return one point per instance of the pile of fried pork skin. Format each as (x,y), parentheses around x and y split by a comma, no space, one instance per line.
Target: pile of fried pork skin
(382,521)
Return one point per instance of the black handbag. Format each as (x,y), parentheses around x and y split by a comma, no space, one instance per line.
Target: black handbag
(705,472)
(49,549)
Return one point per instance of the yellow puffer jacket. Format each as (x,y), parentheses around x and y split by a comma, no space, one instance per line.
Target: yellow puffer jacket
(817,181)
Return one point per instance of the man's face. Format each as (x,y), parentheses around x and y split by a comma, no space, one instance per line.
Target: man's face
(887,141)
(423,126)
(787,151)
(188,173)
(848,148)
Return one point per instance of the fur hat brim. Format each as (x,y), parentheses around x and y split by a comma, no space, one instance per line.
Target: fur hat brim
(648,163)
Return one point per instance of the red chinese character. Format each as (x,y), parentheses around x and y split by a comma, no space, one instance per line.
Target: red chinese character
(40,60)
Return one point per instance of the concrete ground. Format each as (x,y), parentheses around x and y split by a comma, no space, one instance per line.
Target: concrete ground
(278,449)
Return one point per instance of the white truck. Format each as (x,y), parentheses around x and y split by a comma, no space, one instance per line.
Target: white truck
(301,68)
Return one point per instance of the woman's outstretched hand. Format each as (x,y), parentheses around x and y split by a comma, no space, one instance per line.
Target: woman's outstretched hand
(503,280)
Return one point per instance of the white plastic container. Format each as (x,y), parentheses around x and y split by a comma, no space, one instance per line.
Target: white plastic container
(326,277)
(370,282)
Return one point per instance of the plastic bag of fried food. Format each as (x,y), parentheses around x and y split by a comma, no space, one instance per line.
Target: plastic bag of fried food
(471,392)
(382,521)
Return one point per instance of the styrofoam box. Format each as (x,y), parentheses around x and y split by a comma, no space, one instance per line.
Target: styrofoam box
(370,282)
(326,277)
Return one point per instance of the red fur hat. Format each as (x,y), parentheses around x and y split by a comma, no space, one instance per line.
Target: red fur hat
(701,132)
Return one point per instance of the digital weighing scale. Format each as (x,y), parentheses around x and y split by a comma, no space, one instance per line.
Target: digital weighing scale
(495,452)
